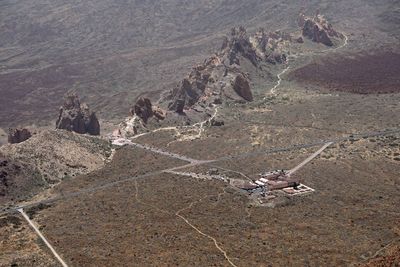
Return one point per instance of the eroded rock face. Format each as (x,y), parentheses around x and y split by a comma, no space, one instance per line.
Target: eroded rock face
(223,77)
(145,110)
(16,135)
(242,87)
(318,29)
(239,44)
(209,82)
(76,117)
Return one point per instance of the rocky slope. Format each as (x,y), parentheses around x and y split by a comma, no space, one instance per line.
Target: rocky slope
(52,155)
(18,180)
(221,78)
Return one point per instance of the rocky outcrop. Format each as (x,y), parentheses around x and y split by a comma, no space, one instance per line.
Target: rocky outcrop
(239,44)
(242,87)
(76,117)
(197,85)
(209,83)
(222,76)
(145,110)
(318,29)
(16,135)
(217,122)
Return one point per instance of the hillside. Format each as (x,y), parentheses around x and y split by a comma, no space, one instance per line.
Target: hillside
(219,133)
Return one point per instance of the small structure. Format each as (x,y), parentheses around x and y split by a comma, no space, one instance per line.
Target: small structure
(284,181)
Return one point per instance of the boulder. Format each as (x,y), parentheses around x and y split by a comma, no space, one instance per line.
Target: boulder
(242,87)
(76,117)
(16,135)
(318,30)
(159,113)
(217,122)
(276,57)
(143,109)
(239,44)
(300,40)
(178,106)
(317,34)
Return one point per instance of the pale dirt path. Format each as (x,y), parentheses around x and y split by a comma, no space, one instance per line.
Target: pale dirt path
(178,129)
(204,234)
(186,220)
(26,217)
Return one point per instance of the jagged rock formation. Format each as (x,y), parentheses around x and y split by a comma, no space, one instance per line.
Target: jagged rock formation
(318,29)
(16,135)
(220,77)
(76,117)
(145,110)
(239,44)
(143,113)
(225,75)
(271,47)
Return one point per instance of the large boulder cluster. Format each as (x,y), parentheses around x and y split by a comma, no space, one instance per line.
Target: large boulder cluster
(77,117)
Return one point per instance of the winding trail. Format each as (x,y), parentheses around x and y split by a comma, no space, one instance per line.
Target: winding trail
(178,129)
(186,220)
(279,75)
(26,217)
(204,234)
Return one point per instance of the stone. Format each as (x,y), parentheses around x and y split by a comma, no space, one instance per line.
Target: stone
(318,30)
(76,117)
(242,87)
(17,135)
(217,122)
(143,109)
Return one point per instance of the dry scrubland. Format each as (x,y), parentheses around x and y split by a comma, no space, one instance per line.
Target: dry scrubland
(124,210)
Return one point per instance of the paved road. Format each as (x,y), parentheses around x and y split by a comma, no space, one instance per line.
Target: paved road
(42,237)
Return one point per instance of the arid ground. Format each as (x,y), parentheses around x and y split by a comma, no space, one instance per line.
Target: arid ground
(154,202)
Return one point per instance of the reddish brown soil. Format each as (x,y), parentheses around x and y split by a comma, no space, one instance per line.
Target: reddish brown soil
(362,74)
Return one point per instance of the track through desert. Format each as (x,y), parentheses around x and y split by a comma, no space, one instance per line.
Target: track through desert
(204,234)
(186,220)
